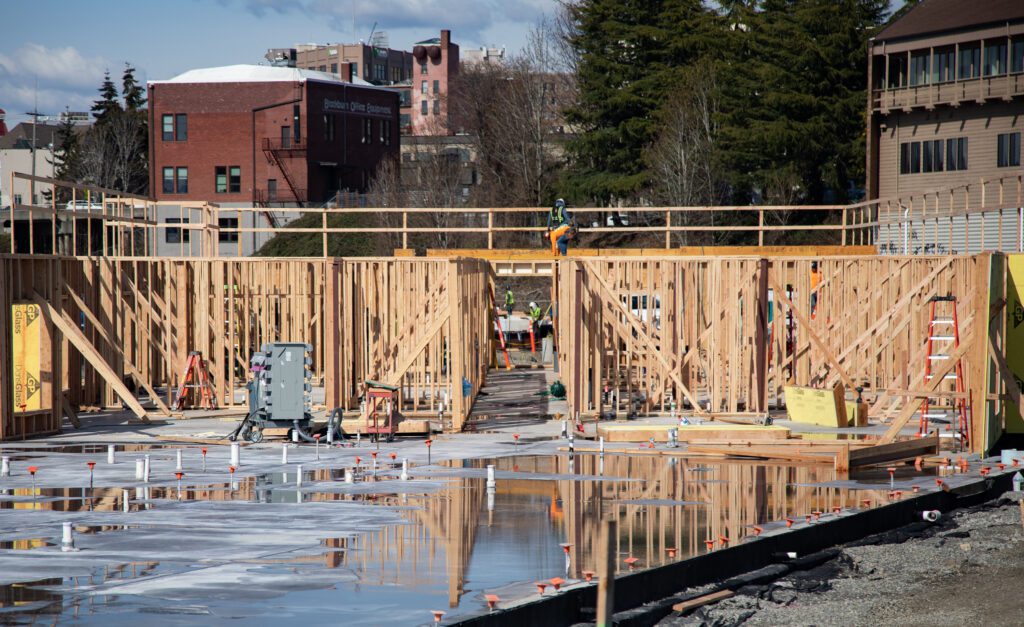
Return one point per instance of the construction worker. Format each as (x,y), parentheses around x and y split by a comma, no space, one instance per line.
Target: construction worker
(560,228)
(816,278)
(510,301)
(535,316)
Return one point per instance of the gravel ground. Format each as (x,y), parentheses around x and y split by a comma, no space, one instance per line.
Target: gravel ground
(967,569)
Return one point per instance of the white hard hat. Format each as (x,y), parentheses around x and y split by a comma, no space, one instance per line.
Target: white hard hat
(533,304)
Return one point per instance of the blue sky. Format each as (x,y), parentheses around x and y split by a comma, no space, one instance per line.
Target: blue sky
(66,45)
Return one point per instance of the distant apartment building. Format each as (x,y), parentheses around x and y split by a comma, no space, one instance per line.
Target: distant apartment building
(946,99)
(375,64)
(270,137)
(483,55)
(17,154)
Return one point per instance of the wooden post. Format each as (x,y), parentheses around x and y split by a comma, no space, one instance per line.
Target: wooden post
(405,229)
(490,229)
(456,345)
(761,337)
(323,224)
(668,229)
(844,227)
(760,227)
(606,573)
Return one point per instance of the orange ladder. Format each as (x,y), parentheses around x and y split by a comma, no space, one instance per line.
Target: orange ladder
(944,339)
(196,376)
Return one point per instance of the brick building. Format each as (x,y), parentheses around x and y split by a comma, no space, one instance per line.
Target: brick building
(273,137)
(424,98)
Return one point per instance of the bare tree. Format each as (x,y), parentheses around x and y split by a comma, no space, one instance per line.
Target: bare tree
(512,116)
(681,159)
(434,173)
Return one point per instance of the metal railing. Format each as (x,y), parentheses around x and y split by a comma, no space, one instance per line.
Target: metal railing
(284,143)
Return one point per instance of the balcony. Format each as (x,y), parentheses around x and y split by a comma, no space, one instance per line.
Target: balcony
(1003,87)
(280,196)
(284,144)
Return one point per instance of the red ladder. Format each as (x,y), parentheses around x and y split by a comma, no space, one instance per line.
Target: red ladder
(942,341)
(196,376)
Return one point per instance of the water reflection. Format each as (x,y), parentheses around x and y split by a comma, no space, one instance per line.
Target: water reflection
(461,540)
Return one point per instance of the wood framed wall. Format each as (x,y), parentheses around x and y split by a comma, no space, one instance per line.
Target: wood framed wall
(727,334)
(423,325)
(23,279)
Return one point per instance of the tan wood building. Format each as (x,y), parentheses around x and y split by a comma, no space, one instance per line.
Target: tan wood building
(946,98)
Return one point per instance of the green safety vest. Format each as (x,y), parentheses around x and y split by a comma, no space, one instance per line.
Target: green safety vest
(535,314)
(509,300)
(557,216)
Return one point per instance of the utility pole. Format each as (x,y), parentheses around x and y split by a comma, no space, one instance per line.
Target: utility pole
(35,121)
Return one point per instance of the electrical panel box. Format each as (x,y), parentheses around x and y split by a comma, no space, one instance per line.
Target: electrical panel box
(283,385)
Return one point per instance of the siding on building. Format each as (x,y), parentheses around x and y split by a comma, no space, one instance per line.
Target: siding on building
(980,124)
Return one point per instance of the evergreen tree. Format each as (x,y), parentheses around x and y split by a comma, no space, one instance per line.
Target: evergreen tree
(792,117)
(132,92)
(107,102)
(627,50)
(66,157)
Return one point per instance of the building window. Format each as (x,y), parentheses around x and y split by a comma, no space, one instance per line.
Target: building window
(437,86)
(423,87)
(367,131)
(296,119)
(944,66)
(1017,55)
(168,127)
(423,67)
(235,179)
(17,199)
(329,127)
(227,223)
(334,68)
(405,97)
(956,154)
(182,182)
(385,132)
(404,120)
(423,107)
(175,235)
(936,150)
(220,180)
(181,127)
(919,68)
(271,189)
(355,69)
(969,65)
(168,178)
(995,58)
(897,70)
(322,68)
(437,107)
(1008,150)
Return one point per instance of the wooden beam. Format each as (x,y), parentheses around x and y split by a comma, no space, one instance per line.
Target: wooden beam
(74,335)
(905,449)
(912,405)
(701,601)
(132,370)
(766,453)
(805,325)
(395,378)
(645,339)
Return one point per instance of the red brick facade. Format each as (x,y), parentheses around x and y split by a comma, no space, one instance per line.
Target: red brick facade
(240,143)
(435,65)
